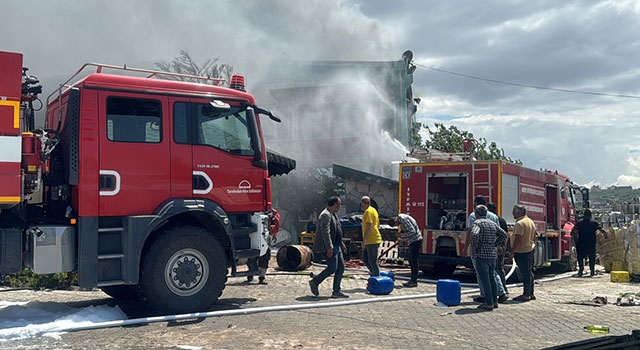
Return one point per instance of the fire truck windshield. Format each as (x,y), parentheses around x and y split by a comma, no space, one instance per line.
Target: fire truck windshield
(225,130)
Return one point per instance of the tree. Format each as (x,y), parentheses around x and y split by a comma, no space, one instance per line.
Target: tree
(184,64)
(451,140)
(415,140)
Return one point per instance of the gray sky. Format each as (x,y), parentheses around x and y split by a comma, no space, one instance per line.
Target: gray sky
(589,46)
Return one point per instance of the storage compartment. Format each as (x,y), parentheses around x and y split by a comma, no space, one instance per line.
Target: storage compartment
(52,249)
(447,202)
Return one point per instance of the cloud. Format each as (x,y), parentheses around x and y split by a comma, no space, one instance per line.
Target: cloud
(586,46)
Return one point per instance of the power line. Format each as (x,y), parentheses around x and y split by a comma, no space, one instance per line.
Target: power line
(527,85)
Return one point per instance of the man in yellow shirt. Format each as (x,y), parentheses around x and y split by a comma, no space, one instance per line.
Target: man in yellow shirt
(371,237)
(523,243)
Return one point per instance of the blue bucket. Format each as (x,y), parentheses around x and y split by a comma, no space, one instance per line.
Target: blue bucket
(448,292)
(379,285)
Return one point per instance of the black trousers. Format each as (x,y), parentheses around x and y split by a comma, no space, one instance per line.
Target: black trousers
(525,266)
(414,248)
(583,253)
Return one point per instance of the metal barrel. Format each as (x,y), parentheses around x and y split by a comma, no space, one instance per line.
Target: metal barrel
(294,257)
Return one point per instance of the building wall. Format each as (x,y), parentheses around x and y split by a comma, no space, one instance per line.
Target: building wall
(385,197)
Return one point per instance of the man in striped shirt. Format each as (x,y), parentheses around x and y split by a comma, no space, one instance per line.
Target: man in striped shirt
(409,232)
(486,235)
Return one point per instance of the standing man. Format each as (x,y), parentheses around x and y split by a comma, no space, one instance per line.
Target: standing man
(371,237)
(328,243)
(262,263)
(585,233)
(408,231)
(522,248)
(493,208)
(486,235)
(502,293)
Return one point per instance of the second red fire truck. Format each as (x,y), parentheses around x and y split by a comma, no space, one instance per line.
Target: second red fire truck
(438,191)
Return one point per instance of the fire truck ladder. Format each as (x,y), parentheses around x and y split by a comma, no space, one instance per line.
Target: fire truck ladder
(482,188)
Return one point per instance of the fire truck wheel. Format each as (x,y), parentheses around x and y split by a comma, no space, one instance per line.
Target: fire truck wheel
(184,270)
(444,269)
(570,263)
(126,292)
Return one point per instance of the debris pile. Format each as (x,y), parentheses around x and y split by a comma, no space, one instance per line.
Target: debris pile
(628,299)
(620,248)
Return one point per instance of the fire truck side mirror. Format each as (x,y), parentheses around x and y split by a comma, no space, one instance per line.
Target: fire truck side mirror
(267,113)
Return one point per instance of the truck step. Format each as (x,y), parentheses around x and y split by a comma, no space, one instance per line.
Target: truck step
(246,253)
(110,229)
(244,230)
(110,256)
(109,283)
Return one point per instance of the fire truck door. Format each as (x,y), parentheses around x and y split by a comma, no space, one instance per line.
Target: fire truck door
(222,158)
(133,153)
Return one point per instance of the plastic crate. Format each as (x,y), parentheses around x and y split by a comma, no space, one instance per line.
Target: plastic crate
(619,276)
(307,238)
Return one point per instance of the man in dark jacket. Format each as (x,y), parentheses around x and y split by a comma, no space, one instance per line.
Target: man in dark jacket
(328,243)
(585,234)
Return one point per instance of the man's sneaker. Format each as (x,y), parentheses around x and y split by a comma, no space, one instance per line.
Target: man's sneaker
(261,280)
(484,306)
(339,295)
(503,298)
(410,284)
(478,299)
(249,278)
(314,288)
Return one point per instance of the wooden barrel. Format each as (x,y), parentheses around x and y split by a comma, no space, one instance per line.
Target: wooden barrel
(294,257)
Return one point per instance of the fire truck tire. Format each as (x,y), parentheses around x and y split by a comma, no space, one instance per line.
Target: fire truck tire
(570,263)
(444,269)
(184,270)
(124,292)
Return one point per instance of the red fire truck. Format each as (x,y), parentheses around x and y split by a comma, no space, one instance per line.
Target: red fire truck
(148,184)
(438,191)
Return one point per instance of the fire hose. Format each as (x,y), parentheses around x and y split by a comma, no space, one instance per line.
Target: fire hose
(256,310)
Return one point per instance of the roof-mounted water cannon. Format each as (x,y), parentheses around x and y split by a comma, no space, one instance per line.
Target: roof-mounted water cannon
(237,82)
(30,86)
(407,56)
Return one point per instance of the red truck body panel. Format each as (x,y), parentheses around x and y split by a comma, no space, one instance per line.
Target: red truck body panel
(10,141)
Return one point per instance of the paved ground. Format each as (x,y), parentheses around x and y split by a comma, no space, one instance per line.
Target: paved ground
(553,319)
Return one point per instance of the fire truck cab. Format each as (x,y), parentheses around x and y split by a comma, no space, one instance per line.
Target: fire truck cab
(439,194)
(146,183)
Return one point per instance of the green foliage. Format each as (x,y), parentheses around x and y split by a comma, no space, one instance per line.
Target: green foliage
(415,139)
(451,140)
(28,279)
(184,64)
(303,193)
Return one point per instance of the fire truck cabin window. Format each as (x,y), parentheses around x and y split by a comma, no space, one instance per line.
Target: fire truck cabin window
(134,120)
(227,131)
